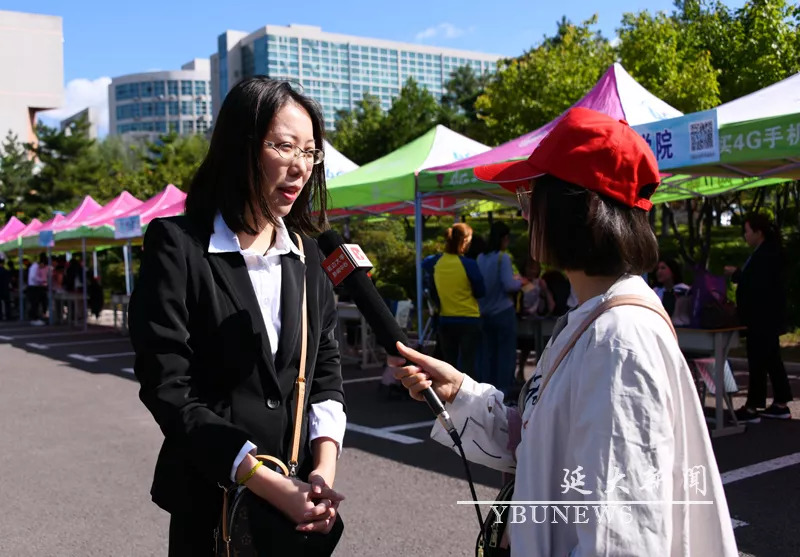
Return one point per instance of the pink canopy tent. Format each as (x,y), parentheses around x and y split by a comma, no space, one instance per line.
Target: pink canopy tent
(170,211)
(616,93)
(82,212)
(33,228)
(167,203)
(50,224)
(11,230)
(120,205)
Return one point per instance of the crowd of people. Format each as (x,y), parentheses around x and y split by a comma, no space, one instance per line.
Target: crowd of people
(41,273)
(488,311)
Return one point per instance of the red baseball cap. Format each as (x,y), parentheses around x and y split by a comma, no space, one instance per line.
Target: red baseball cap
(589,149)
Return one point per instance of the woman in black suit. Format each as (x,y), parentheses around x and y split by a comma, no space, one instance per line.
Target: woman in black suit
(761,304)
(215,321)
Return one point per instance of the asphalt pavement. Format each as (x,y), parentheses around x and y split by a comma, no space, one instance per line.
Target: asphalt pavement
(80,449)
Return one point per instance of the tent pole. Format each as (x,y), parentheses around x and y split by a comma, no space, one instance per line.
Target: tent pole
(126,250)
(94,263)
(21,286)
(85,289)
(418,224)
(52,316)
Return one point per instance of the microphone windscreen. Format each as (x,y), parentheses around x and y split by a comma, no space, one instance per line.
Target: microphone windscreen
(364,294)
(328,241)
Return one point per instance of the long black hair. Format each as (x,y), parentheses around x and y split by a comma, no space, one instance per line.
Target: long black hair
(498,231)
(231,178)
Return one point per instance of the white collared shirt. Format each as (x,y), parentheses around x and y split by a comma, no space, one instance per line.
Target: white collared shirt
(620,412)
(327,418)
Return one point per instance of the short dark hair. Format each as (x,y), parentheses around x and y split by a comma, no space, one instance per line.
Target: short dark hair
(576,229)
(760,222)
(674,268)
(498,231)
(231,178)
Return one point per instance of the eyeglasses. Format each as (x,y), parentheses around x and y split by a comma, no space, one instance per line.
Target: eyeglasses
(290,152)
(524,199)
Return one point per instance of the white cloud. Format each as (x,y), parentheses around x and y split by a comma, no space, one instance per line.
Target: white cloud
(615,42)
(79,94)
(443,30)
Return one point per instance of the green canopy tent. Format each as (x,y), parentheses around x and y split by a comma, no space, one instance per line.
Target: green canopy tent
(391,179)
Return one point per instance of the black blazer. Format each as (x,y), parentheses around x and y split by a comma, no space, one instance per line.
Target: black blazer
(204,362)
(761,291)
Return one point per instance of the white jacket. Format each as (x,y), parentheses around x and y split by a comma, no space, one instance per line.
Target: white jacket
(619,421)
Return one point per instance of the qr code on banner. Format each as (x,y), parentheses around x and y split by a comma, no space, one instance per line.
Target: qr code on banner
(702,135)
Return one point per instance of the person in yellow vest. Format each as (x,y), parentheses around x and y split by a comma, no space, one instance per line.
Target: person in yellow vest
(459,284)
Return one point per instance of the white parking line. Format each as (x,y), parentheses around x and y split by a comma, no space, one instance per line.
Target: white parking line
(415,425)
(95,357)
(16,329)
(760,468)
(42,335)
(40,346)
(383,434)
(127,370)
(360,380)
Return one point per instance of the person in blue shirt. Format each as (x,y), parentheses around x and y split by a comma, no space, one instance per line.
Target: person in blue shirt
(498,310)
(457,285)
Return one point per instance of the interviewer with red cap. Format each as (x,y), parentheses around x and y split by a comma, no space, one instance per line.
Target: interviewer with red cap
(609,443)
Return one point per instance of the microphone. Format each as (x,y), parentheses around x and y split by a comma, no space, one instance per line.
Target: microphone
(346,265)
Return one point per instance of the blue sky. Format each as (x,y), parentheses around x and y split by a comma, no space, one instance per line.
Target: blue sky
(104,39)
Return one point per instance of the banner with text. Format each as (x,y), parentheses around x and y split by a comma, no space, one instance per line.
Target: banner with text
(764,139)
(689,140)
(47,239)
(127,227)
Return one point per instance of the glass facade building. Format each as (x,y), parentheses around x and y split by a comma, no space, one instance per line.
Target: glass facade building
(155,103)
(336,70)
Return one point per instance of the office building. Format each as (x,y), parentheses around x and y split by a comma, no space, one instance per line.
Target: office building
(336,70)
(31,70)
(92,116)
(155,103)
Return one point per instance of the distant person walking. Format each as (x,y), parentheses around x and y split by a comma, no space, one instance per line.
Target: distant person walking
(761,303)
(5,291)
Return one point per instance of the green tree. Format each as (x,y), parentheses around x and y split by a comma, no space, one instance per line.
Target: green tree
(68,168)
(531,90)
(752,47)
(413,112)
(665,56)
(359,133)
(123,168)
(458,103)
(171,159)
(16,173)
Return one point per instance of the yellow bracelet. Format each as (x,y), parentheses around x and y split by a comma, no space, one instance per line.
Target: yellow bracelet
(250,474)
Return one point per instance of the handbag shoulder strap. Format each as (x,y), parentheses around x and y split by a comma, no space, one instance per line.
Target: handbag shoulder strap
(623,300)
(300,383)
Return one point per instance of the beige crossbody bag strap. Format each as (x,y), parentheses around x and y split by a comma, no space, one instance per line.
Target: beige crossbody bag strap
(625,300)
(300,391)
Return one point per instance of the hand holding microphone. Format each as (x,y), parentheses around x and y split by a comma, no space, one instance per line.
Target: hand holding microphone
(425,378)
(427,372)
(346,265)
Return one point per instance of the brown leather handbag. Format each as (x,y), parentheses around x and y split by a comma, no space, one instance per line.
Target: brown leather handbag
(249,526)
